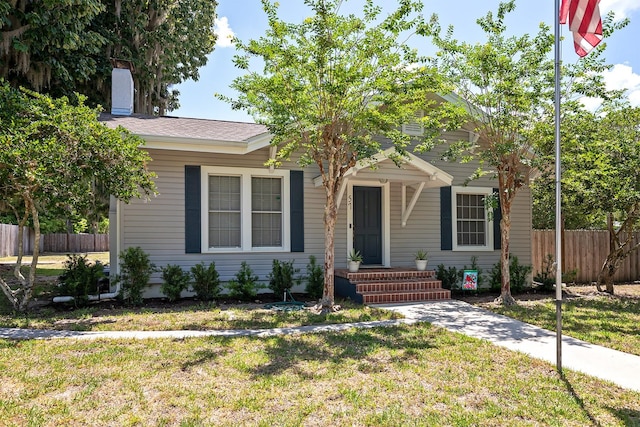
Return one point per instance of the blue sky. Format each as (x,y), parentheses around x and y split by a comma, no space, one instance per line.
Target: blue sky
(246,20)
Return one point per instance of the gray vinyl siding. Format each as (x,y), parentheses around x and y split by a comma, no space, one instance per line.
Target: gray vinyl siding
(158,225)
(423,232)
(423,228)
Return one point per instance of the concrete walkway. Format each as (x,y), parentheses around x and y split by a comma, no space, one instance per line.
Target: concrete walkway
(620,368)
(27,334)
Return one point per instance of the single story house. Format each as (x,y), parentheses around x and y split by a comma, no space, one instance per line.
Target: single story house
(219,202)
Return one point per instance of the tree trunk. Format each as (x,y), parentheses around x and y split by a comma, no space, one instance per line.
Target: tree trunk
(618,250)
(505,275)
(614,258)
(330,216)
(608,270)
(507,191)
(28,286)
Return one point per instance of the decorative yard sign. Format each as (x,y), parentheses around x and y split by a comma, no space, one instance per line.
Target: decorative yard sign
(470,280)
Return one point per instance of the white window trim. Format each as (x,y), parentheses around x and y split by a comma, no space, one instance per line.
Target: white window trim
(485,191)
(245,175)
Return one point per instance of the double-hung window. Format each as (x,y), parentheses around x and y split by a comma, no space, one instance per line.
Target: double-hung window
(266,212)
(225,213)
(472,228)
(245,209)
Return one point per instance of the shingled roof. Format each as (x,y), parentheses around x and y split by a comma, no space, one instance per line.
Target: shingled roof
(179,127)
(179,133)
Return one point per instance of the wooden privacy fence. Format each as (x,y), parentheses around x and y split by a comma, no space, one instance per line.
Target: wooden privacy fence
(51,243)
(583,251)
(62,243)
(9,240)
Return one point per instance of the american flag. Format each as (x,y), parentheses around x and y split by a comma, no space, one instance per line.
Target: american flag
(584,22)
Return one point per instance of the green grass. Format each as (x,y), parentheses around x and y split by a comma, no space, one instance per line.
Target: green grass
(410,375)
(187,315)
(610,321)
(198,316)
(55,260)
(49,267)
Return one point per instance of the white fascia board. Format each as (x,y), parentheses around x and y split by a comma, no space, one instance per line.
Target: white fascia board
(206,145)
(435,173)
(427,167)
(424,166)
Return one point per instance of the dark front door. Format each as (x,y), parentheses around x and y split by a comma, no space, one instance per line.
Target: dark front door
(367,223)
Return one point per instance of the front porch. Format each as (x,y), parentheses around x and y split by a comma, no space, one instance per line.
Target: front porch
(389,285)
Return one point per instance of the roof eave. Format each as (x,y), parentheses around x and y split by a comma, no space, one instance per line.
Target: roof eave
(200,145)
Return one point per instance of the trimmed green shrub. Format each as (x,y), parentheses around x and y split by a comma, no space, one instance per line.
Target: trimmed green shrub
(495,277)
(245,286)
(206,281)
(570,276)
(135,271)
(518,274)
(448,276)
(5,305)
(174,281)
(546,277)
(281,277)
(80,278)
(315,278)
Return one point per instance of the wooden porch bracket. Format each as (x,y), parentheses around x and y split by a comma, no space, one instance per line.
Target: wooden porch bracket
(406,210)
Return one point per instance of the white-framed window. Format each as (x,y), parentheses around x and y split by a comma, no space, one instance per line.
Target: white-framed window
(244,209)
(266,212)
(414,128)
(472,229)
(224,211)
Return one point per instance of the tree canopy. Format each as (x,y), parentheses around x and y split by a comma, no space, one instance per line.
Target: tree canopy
(66,46)
(47,45)
(505,83)
(601,176)
(333,85)
(52,154)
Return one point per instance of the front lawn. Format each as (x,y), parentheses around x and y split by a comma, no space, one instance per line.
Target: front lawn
(415,375)
(156,315)
(610,321)
(186,315)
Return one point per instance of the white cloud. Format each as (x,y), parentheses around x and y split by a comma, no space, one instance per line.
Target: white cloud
(223,31)
(591,104)
(619,77)
(622,8)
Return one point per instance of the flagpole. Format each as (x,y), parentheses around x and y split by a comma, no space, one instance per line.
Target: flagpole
(558,192)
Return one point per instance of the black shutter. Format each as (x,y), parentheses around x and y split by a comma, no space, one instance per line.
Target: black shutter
(446,225)
(497,216)
(296,181)
(192,235)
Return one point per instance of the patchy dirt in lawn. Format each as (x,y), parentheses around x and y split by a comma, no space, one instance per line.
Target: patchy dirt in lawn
(6,272)
(161,305)
(622,290)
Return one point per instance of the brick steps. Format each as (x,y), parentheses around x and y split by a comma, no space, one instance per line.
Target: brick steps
(395,285)
(405,296)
